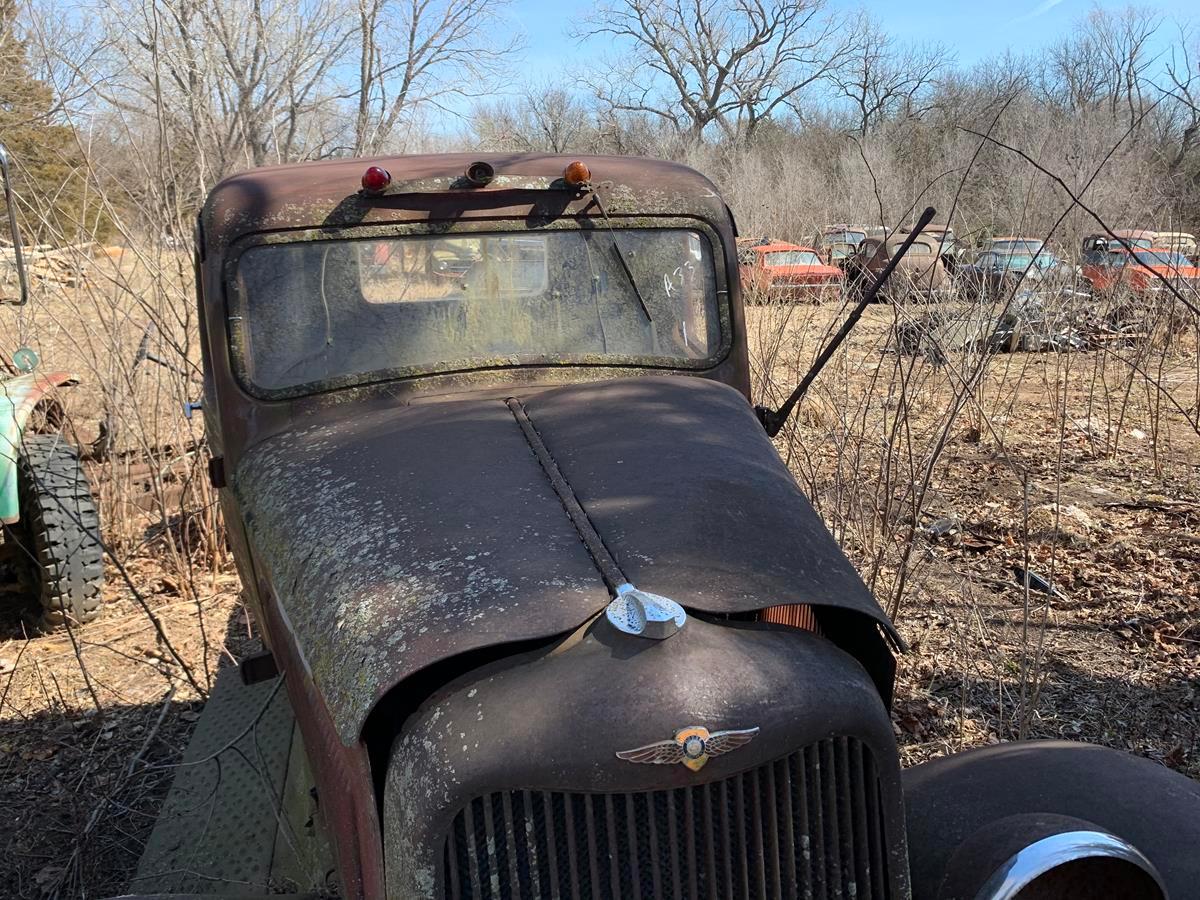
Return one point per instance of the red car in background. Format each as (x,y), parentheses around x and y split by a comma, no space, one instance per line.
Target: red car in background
(774,270)
(1137,270)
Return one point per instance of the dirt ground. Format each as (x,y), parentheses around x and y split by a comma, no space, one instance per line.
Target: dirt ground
(1026,475)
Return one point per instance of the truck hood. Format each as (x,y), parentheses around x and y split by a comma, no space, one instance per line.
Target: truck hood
(406,536)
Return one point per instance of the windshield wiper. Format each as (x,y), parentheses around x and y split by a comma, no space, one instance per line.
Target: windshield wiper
(616,250)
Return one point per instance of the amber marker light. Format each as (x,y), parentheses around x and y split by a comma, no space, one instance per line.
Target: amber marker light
(577,174)
(376,179)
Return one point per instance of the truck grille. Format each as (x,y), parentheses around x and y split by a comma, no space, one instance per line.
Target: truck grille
(806,826)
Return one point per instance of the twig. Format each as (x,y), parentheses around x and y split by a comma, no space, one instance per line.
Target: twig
(162,714)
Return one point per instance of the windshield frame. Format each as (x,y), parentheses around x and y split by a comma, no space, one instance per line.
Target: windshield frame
(235,304)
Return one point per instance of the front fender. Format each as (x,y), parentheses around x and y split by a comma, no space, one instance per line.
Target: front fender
(951,803)
(19,397)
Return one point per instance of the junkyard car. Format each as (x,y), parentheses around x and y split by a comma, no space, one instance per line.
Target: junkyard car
(993,272)
(49,522)
(441,502)
(1140,271)
(1180,241)
(836,243)
(950,250)
(921,274)
(782,271)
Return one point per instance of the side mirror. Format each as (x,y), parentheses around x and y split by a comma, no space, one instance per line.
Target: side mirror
(18,261)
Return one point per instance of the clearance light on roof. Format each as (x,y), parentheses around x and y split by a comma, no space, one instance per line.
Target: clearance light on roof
(480,174)
(577,174)
(376,179)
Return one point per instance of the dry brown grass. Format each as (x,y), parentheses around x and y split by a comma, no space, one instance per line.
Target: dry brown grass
(1069,465)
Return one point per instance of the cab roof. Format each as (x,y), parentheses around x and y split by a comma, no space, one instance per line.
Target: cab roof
(327,194)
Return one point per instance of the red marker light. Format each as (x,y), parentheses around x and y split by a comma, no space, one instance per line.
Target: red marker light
(376,180)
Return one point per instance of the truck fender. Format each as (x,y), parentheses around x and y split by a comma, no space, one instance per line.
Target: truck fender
(19,397)
(1129,820)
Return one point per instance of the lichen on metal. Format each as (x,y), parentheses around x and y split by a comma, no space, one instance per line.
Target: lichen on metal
(387,554)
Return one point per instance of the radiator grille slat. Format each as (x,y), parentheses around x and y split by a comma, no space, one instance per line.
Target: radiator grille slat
(808,826)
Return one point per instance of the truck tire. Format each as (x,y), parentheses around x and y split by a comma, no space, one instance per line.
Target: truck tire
(59,531)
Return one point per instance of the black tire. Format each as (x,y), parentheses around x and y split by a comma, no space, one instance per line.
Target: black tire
(59,531)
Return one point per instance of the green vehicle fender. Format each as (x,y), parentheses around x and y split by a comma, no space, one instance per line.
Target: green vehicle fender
(19,397)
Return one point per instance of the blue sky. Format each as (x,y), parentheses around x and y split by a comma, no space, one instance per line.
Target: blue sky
(973,30)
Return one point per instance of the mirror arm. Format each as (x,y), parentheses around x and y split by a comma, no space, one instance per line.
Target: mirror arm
(773,420)
(12,224)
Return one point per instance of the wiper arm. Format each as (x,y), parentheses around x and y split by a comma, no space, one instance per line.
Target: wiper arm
(616,250)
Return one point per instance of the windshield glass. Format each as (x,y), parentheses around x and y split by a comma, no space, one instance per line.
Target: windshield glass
(334,311)
(1162,258)
(1025,260)
(1026,247)
(791,258)
(844,237)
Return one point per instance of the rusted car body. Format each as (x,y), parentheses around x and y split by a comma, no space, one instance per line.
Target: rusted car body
(1140,271)
(920,274)
(950,249)
(781,271)
(440,539)
(837,243)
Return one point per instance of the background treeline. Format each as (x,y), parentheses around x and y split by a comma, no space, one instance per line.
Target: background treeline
(123,115)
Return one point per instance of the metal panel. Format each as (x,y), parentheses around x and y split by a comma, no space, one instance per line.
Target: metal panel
(217,829)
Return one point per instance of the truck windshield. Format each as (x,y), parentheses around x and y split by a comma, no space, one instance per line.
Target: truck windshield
(340,311)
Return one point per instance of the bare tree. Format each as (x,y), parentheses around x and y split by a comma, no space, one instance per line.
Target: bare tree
(1073,76)
(235,82)
(419,52)
(1123,43)
(545,118)
(879,77)
(1103,64)
(714,63)
(1183,75)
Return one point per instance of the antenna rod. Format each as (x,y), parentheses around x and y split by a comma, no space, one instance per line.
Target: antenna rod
(773,420)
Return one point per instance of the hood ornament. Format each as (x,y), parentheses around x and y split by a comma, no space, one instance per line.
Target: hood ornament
(644,614)
(692,746)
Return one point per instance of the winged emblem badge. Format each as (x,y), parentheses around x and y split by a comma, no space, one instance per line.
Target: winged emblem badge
(693,746)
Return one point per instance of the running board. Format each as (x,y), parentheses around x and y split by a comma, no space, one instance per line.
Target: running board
(240,817)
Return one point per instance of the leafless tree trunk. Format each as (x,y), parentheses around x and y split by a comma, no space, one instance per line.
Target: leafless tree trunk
(880,77)
(419,52)
(1183,74)
(546,118)
(715,63)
